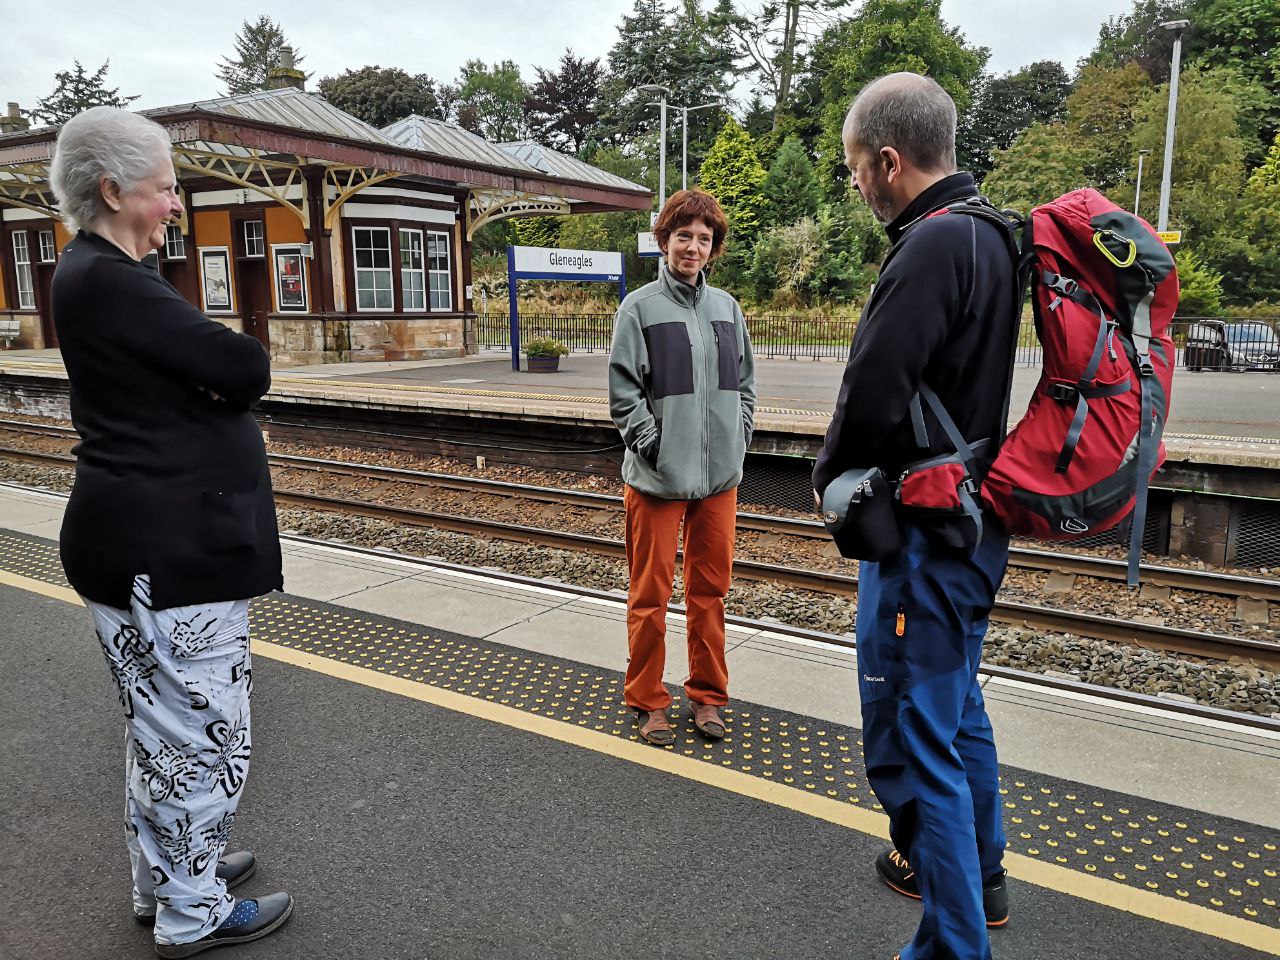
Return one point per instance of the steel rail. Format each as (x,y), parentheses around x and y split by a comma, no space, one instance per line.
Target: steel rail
(1179,578)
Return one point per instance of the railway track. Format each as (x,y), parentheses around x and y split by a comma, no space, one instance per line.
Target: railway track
(1024,557)
(1153,636)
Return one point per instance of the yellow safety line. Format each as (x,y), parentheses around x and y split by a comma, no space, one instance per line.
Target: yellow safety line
(1097,890)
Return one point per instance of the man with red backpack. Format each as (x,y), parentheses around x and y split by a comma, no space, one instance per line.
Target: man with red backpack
(927,384)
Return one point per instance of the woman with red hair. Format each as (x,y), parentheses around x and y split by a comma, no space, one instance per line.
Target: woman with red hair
(682,392)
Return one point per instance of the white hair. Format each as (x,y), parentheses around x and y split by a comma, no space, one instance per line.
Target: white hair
(103,142)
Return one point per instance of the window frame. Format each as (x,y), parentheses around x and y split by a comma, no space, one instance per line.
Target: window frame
(447,272)
(358,271)
(260,239)
(21,268)
(52,256)
(171,231)
(421,271)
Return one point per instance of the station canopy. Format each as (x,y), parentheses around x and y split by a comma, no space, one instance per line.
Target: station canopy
(286,143)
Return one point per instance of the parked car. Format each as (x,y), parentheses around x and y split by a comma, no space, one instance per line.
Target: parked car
(1206,347)
(1253,346)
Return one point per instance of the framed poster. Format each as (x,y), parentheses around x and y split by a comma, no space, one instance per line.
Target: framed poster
(291,280)
(215,279)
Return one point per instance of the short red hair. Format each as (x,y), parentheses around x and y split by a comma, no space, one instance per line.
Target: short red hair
(685,206)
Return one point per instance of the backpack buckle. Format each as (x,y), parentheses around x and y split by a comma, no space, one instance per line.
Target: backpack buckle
(1061,391)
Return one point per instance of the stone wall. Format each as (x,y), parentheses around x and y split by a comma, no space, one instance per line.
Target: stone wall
(311,339)
(31,334)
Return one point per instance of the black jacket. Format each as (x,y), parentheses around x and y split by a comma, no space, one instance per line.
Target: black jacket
(171,475)
(944,313)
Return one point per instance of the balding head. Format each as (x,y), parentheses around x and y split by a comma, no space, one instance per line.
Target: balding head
(909,113)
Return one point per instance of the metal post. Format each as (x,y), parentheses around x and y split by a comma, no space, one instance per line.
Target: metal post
(1166,180)
(684,149)
(1137,192)
(662,152)
(514,308)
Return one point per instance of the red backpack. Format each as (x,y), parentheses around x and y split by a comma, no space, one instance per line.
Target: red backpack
(1104,290)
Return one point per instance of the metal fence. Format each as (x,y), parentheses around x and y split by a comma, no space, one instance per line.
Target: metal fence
(1202,343)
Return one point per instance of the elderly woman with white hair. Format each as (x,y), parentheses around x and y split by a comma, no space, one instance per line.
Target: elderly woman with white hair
(170,527)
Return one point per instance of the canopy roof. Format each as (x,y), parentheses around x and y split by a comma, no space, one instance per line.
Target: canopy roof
(270,140)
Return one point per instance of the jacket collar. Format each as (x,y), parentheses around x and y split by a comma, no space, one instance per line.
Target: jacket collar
(945,191)
(679,291)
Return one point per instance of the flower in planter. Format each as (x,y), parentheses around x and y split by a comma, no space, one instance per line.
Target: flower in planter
(545,347)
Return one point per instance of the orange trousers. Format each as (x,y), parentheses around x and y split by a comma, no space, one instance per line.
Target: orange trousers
(653,528)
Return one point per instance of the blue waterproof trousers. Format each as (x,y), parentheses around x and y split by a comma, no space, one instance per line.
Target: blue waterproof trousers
(930,752)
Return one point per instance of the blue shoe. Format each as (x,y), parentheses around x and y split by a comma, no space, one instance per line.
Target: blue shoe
(250,920)
(234,869)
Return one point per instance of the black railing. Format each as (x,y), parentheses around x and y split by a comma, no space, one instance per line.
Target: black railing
(1203,343)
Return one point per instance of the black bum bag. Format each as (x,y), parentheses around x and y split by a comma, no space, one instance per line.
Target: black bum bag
(858,511)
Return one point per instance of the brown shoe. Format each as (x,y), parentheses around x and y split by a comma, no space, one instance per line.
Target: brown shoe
(707,719)
(656,728)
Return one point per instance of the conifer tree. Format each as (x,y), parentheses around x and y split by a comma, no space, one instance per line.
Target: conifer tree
(790,189)
(733,175)
(258,48)
(76,91)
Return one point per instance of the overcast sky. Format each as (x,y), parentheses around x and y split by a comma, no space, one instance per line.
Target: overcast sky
(171,59)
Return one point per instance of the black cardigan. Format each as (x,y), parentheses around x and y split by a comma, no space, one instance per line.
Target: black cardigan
(171,475)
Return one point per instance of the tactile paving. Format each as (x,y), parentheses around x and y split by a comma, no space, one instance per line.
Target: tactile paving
(1224,865)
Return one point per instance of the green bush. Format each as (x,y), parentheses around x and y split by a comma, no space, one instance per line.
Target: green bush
(544,347)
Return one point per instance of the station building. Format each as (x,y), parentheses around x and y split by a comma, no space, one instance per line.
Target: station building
(325,238)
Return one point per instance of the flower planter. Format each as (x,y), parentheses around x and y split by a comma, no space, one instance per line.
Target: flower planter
(543,364)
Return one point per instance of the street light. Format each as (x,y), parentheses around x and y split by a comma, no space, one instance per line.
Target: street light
(1137,193)
(1166,180)
(684,138)
(662,135)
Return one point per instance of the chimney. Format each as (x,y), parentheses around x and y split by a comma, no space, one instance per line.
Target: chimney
(285,74)
(13,121)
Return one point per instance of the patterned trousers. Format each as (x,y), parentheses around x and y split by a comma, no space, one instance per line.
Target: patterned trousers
(183,677)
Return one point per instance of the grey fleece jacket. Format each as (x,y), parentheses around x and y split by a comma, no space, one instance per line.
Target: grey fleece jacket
(682,388)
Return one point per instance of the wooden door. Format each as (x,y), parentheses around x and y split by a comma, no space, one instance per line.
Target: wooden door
(254,291)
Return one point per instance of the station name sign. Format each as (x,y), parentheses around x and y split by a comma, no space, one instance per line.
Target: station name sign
(550,262)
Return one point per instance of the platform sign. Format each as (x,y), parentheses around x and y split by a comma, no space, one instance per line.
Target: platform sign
(647,245)
(549,263)
(1170,236)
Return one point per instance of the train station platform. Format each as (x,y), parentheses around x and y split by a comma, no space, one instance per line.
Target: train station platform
(443,767)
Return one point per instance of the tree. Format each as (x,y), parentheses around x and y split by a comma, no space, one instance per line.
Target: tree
(774,39)
(563,106)
(790,189)
(682,49)
(1045,162)
(491,100)
(75,91)
(1200,286)
(1004,106)
(733,175)
(1136,38)
(258,48)
(887,36)
(381,96)
(1248,254)
(783,261)
(1100,117)
(1208,153)
(1243,35)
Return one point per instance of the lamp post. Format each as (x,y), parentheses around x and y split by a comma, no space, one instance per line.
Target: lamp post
(662,137)
(684,137)
(1166,180)
(1137,193)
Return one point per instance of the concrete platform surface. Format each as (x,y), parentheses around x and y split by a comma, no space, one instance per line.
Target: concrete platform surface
(443,769)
